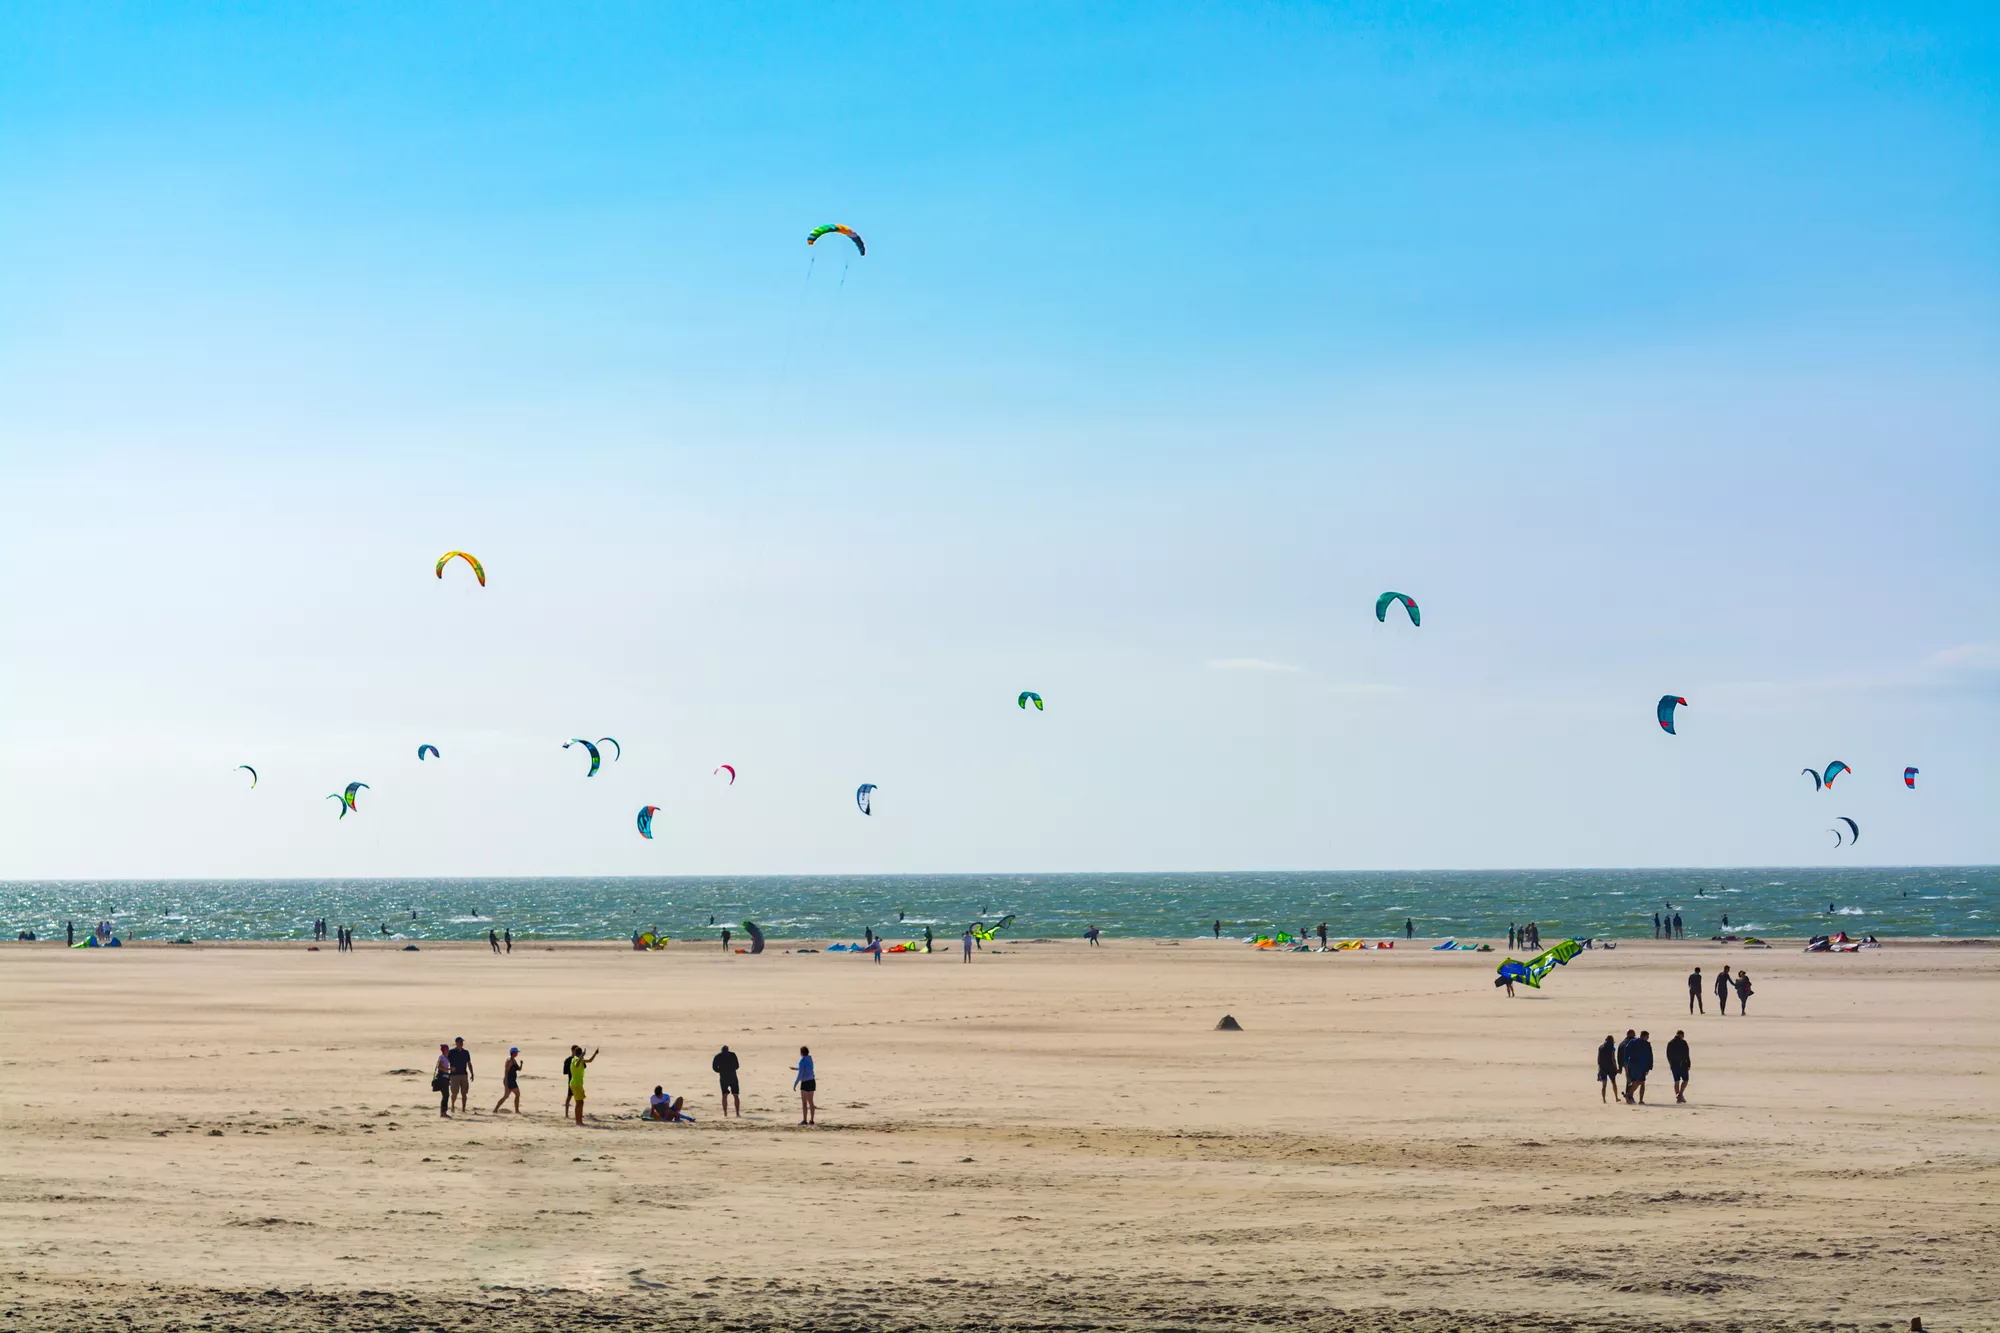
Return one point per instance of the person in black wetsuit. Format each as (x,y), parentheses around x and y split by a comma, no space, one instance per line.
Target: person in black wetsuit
(1694,992)
(1679,1063)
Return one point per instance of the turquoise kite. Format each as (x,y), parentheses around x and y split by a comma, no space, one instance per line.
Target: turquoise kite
(1028,696)
(432,748)
(1665,712)
(616,753)
(336,796)
(646,821)
(1834,770)
(1383,603)
(595,757)
(352,788)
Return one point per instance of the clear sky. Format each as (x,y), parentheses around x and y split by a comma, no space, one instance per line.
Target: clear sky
(1651,352)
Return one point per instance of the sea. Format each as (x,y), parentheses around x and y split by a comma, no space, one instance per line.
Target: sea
(1957,901)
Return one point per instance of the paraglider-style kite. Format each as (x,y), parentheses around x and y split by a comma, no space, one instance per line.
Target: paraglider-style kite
(1382,607)
(864,797)
(352,788)
(616,752)
(478,570)
(1834,770)
(848,232)
(1909,779)
(1665,712)
(595,757)
(729,769)
(253,773)
(646,821)
(756,935)
(1853,830)
(336,796)
(1531,972)
(433,752)
(1814,775)
(1027,697)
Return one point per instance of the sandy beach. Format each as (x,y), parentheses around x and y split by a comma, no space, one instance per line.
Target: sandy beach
(1053,1137)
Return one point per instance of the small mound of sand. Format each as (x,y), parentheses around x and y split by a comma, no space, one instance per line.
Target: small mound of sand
(1228,1024)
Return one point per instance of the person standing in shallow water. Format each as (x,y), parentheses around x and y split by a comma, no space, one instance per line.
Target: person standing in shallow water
(1218,930)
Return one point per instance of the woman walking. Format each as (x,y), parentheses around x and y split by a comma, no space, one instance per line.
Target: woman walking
(441,1080)
(806,1084)
(510,1081)
(1742,991)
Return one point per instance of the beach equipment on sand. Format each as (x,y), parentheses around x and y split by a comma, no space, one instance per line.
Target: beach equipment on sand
(1228,1024)
(1531,972)
(756,936)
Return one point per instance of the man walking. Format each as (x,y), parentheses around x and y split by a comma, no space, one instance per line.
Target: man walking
(725,1064)
(1638,1064)
(1694,992)
(1678,1063)
(1624,1060)
(461,1075)
(507,938)
(1722,990)
(492,940)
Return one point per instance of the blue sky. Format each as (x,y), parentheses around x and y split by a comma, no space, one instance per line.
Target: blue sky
(1650,352)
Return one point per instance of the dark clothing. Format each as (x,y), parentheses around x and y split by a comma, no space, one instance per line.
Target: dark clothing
(1625,1052)
(726,1064)
(1677,1057)
(1639,1060)
(461,1061)
(1722,992)
(1607,1060)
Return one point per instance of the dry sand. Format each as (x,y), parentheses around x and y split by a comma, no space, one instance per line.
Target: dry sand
(1052,1138)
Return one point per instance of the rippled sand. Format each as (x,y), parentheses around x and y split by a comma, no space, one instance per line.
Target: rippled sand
(1053,1137)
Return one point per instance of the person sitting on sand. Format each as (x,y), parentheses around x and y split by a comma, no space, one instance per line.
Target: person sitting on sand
(666,1106)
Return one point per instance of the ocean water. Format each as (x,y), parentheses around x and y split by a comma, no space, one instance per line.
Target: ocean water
(1951,900)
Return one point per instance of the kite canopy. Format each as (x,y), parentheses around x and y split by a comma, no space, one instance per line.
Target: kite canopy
(433,752)
(1909,779)
(616,752)
(1028,696)
(646,820)
(1817,784)
(756,936)
(352,788)
(1853,829)
(253,774)
(478,570)
(1834,770)
(848,232)
(864,797)
(730,769)
(1531,972)
(595,757)
(1383,603)
(1665,712)
(336,796)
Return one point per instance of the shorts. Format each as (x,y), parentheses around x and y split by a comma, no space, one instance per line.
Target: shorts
(1604,1074)
(1680,1075)
(808,1085)
(576,1094)
(730,1085)
(460,1083)
(510,1086)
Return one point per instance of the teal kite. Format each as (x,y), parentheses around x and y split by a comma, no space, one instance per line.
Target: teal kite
(1531,972)
(616,752)
(1383,603)
(336,796)
(253,773)
(1028,696)
(595,757)
(432,748)
(1665,711)
(646,821)
(352,788)
(1834,770)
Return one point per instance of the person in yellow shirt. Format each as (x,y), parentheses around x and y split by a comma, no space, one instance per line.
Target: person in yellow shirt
(573,1068)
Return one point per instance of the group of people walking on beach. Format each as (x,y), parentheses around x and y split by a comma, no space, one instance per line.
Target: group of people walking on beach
(1633,1058)
(1723,985)
(453,1074)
